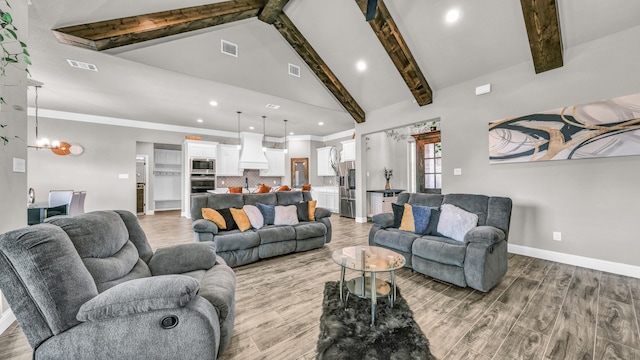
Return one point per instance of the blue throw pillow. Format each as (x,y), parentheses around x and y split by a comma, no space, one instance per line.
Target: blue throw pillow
(415,218)
(268,213)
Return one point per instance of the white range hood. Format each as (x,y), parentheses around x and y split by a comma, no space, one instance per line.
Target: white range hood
(251,155)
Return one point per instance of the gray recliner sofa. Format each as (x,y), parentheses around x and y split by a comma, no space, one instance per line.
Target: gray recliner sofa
(240,248)
(479,262)
(90,287)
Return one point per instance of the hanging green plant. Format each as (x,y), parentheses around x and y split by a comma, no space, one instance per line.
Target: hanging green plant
(13,50)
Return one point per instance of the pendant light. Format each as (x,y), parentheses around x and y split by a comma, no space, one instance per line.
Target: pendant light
(44,143)
(286,147)
(239,144)
(264,136)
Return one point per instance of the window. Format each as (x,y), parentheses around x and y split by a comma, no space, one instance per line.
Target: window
(432,166)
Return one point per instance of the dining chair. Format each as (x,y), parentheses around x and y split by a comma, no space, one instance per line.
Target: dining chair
(77,203)
(59,202)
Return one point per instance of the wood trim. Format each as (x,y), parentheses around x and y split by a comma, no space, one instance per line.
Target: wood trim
(543,29)
(300,44)
(391,39)
(421,140)
(113,33)
(271,10)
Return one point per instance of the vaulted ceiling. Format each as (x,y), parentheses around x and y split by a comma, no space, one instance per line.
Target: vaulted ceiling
(162,63)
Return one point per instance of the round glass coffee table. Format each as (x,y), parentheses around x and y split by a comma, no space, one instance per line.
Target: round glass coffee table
(368,260)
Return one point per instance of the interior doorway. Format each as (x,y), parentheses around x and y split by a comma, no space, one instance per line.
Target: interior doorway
(142,181)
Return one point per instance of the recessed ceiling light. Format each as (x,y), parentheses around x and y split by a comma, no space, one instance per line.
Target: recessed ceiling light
(199,120)
(320,123)
(272,106)
(452,16)
(361,65)
(251,128)
(213,103)
(291,133)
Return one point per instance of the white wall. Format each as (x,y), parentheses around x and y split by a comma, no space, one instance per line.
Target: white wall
(593,202)
(13,185)
(109,152)
(386,152)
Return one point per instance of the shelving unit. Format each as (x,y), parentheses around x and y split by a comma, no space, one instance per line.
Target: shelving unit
(167,179)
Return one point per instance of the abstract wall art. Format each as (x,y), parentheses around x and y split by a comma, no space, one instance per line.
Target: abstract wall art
(599,129)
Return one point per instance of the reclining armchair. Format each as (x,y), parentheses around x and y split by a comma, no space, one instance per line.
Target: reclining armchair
(90,286)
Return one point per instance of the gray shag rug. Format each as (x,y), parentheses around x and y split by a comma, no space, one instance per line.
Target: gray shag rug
(348,334)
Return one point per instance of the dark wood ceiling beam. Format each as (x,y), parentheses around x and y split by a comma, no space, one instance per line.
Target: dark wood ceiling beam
(543,29)
(391,39)
(271,10)
(300,44)
(109,34)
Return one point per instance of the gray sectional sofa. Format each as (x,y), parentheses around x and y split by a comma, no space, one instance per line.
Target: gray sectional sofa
(479,261)
(240,248)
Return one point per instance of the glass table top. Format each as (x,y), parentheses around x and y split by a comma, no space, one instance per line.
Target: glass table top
(368,258)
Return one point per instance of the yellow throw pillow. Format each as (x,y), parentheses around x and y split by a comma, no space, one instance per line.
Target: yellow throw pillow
(241,218)
(312,210)
(407,223)
(216,217)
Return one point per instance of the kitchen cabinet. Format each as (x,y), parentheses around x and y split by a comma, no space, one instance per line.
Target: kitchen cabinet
(348,150)
(276,161)
(327,197)
(324,161)
(202,149)
(228,161)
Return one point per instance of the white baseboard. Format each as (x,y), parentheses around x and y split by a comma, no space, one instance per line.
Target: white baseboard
(591,263)
(361,219)
(6,320)
(149,212)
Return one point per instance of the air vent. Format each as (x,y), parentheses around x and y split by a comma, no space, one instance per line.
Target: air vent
(82,65)
(229,48)
(294,70)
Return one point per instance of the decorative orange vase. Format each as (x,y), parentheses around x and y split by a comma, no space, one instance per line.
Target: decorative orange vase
(387,186)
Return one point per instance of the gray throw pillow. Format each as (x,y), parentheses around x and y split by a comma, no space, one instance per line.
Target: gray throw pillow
(286,215)
(455,222)
(255,216)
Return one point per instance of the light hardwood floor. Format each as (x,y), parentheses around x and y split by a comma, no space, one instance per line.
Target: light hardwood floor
(540,310)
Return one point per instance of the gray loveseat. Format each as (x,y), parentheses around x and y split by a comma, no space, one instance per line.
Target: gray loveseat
(480,261)
(90,287)
(239,248)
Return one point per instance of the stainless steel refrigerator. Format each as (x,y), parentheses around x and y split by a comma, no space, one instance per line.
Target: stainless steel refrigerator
(348,189)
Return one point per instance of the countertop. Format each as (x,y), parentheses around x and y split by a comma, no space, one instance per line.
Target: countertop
(390,191)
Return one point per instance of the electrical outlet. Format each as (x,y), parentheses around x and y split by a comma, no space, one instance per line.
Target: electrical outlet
(222,181)
(457,171)
(274,182)
(557,236)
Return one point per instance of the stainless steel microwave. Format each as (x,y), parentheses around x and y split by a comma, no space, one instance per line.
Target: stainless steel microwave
(203,166)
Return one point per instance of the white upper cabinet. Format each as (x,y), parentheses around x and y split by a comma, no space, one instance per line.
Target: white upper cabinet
(201,149)
(348,150)
(324,162)
(276,160)
(228,161)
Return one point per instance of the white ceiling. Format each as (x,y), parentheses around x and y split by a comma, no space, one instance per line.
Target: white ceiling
(172,80)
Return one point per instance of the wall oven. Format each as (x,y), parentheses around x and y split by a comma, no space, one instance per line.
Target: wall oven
(200,183)
(203,166)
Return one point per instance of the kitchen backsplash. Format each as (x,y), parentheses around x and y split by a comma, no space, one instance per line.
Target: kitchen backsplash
(252,176)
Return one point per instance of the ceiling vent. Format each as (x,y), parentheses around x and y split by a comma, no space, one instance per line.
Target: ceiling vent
(294,70)
(82,65)
(229,48)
